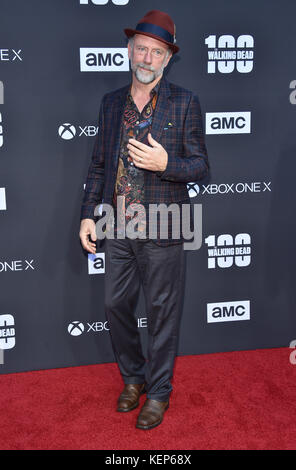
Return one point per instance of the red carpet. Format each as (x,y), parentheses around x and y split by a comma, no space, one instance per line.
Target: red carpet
(236,400)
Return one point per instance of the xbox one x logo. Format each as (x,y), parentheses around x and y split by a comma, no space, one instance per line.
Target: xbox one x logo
(67,131)
(193,189)
(76,328)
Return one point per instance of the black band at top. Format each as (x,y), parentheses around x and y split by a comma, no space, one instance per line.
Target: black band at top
(157,30)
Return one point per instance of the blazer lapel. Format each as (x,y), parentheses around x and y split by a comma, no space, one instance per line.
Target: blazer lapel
(161,112)
(117,115)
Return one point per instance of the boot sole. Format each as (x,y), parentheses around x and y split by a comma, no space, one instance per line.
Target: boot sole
(125,410)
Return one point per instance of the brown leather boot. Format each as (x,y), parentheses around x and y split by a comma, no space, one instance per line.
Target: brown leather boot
(129,398)
(151,414)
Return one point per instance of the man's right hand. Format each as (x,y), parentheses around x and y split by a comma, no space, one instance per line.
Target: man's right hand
(88,227)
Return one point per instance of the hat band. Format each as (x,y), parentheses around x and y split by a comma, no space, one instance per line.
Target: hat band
(157,30)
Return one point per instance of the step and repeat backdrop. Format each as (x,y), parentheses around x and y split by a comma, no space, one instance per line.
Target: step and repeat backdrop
(57,60)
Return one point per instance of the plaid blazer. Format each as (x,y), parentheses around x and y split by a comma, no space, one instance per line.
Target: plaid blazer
(177,126)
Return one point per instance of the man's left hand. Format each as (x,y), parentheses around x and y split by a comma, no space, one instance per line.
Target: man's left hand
(151,158)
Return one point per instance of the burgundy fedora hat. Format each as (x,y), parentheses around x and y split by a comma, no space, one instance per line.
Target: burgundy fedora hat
(158,25)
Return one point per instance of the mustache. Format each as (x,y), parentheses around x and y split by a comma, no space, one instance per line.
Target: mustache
(146,67)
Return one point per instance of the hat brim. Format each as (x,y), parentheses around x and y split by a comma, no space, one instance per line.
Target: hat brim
(131,32)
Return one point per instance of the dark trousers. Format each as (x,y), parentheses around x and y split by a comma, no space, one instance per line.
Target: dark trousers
(160,270)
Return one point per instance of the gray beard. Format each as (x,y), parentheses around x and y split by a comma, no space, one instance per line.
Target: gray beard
(146,77)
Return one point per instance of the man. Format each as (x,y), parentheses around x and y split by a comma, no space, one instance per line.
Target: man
(150,143)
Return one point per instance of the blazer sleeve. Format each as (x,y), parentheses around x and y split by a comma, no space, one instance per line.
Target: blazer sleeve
(194,164)
(95,178)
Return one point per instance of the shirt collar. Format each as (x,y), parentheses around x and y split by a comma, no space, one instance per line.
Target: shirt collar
(153,92)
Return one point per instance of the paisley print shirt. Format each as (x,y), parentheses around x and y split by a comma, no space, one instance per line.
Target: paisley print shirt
(130,178)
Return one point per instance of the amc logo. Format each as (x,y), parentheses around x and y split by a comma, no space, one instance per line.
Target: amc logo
(228,311)
(96,263)
(2,199)
(94,59)
(228,123)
